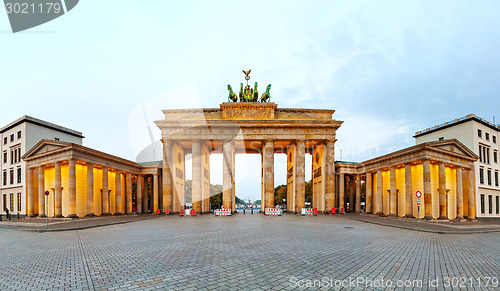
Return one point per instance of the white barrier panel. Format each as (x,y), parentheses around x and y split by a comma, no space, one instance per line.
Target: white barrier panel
(272,211)
(222,212)
(307,211)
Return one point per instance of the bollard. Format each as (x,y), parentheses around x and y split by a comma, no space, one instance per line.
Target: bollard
(18,216)
(1,216)
(252,210)
(244,211)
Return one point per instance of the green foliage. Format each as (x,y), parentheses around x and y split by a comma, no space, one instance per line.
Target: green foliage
(280,194)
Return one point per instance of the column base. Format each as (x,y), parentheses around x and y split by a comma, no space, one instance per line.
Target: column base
(428,217)
(106,214)
(392,215)
(72,216)
(371,212)
(42,216)
(90,215)
(459,218)
(31,215)
(471,218)
(59,216)
(118,213)
(381,214)
(409,216)
(442,218)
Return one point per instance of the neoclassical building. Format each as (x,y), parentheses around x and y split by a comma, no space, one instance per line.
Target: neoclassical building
(85,182)
(443,171)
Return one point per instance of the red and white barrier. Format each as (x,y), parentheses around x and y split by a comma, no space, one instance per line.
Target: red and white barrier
(272,211)
(222,212)
(309,211)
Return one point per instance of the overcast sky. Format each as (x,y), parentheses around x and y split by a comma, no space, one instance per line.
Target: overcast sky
(388,68)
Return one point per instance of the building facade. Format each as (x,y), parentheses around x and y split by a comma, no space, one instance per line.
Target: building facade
(442,171)
(16,138)
(82,182)
(482,137)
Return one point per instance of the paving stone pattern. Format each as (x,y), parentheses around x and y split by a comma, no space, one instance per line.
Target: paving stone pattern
(244,252)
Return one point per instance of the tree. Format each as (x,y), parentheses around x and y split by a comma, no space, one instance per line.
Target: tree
(309,191)
(280,194)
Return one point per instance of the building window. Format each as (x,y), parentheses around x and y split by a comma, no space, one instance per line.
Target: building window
(19,154)
(4,178)
(490,204)
(11,202)
(481,153)
(489,177)
(496,178)
(4,140)
(479,133)
(441,138)
(498,204)
(482,203)
(18,134)
(495,156)
(12,137)
(11,176)
(5,157)
(481,175)
(19,175)
(494,139)
(488,155)
(487,135)
(11,157)
(18,202)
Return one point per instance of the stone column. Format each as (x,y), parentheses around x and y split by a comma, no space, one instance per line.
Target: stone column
(90,190)
(168,182)
(378,199)
(427,190)
(155,192)
(197,182)
(300,177)
(358,194)
(472,193)
(41,191)
(105,192)
(368,195)
(352,185)
(408,191)
(58,190)
(147,194)
(72,189)
(138,197)
(127,196)
(228,175)
(341,192)
(392,193)
(118,193)
(460,195)
(442,192)
(29,189)
(330,175)
(268,166)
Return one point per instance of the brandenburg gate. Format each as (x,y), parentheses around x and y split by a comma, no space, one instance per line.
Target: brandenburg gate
(251,128)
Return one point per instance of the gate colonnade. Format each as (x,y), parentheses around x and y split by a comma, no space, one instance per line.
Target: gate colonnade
(443,171)
(85,182)
(251,128)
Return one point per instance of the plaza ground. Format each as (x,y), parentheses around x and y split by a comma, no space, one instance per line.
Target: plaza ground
(249,252)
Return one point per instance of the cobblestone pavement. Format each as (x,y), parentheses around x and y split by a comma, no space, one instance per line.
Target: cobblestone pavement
(246,252)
